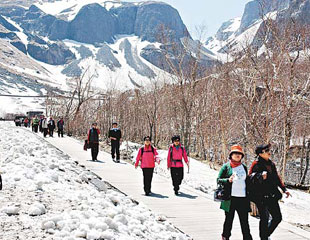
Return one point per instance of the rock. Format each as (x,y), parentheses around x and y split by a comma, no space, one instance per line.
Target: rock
(7,25)
(133,60)
(59,30)
(19,45)
(126,18)
(55,54)
(151,16)
(254,9)
(106,57)
(93,24)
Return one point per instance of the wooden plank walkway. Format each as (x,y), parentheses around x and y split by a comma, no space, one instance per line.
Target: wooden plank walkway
(192,212)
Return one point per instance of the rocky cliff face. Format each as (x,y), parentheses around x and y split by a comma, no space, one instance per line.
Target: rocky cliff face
(154,19)
(93,24)
(251,28)
(255,9)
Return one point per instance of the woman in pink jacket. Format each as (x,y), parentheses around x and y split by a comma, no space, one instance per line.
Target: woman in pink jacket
(176,154)
(147,155)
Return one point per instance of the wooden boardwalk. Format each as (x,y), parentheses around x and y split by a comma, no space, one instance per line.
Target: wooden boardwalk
(192,212)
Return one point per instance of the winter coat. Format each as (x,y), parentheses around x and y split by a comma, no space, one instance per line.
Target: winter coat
(51,124)
(60,125)
(223,178)
(268,188)
(175,156)
(35,121)
(115,133)
(93,135)
(44,123)
(148,158)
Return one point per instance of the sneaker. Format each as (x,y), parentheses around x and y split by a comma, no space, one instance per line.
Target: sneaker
(147,194)
(176,192)
(118,161)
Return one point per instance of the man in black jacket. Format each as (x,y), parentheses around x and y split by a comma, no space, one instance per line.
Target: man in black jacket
(93,141)
(115,136)
(265,193)
(51,126)
(60,126)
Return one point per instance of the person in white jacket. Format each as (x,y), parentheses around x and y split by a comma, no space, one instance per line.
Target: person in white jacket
(45,126)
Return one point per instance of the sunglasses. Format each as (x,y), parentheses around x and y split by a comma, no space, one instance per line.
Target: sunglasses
(147,140)
(266,150)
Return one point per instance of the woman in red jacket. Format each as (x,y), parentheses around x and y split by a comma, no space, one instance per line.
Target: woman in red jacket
(176,154)
(147,155)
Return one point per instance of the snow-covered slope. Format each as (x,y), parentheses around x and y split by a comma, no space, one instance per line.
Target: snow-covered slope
(51,61)
(241,32)
(46,195)
(69,9)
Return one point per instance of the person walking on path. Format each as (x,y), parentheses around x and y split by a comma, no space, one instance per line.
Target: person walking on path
(60,126)
(51,126)
(44,126)
(176,154)
(265,191)
(234,177)
(115,136)
(93,141)
(26,122)
(147,155)
(35,124)
(40,123)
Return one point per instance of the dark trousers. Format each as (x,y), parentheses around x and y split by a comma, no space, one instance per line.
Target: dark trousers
(94,150)
(51,131)
(60,132)
(147,179)
(45,131)
(177,175)
(115,148)
(35,128)
(239,205)
(266,207)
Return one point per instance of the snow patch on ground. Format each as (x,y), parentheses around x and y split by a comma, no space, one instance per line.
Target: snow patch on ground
(46,195)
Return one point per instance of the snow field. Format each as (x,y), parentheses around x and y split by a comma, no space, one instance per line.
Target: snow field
(47,195)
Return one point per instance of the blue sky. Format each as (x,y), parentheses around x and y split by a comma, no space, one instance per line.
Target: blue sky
(208,13)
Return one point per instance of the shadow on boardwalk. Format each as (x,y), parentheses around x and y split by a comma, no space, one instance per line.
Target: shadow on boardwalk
(185,195)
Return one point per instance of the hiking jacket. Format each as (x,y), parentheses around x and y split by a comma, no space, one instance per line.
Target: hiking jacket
(148,158)
(261,188)
(60,124)
(175,156)
(51,124)
(93,135)
(35,121)
(223,178)
(115,133)
(44,123)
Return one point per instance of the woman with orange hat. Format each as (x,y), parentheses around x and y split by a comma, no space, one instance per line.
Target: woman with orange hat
(234,177)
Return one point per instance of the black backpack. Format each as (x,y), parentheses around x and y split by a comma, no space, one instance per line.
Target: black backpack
(142,151)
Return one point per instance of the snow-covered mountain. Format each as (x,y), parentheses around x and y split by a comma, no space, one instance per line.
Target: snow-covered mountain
(239,33)
(119,43)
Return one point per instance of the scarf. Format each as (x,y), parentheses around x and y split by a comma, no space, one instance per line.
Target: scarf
(234,164)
